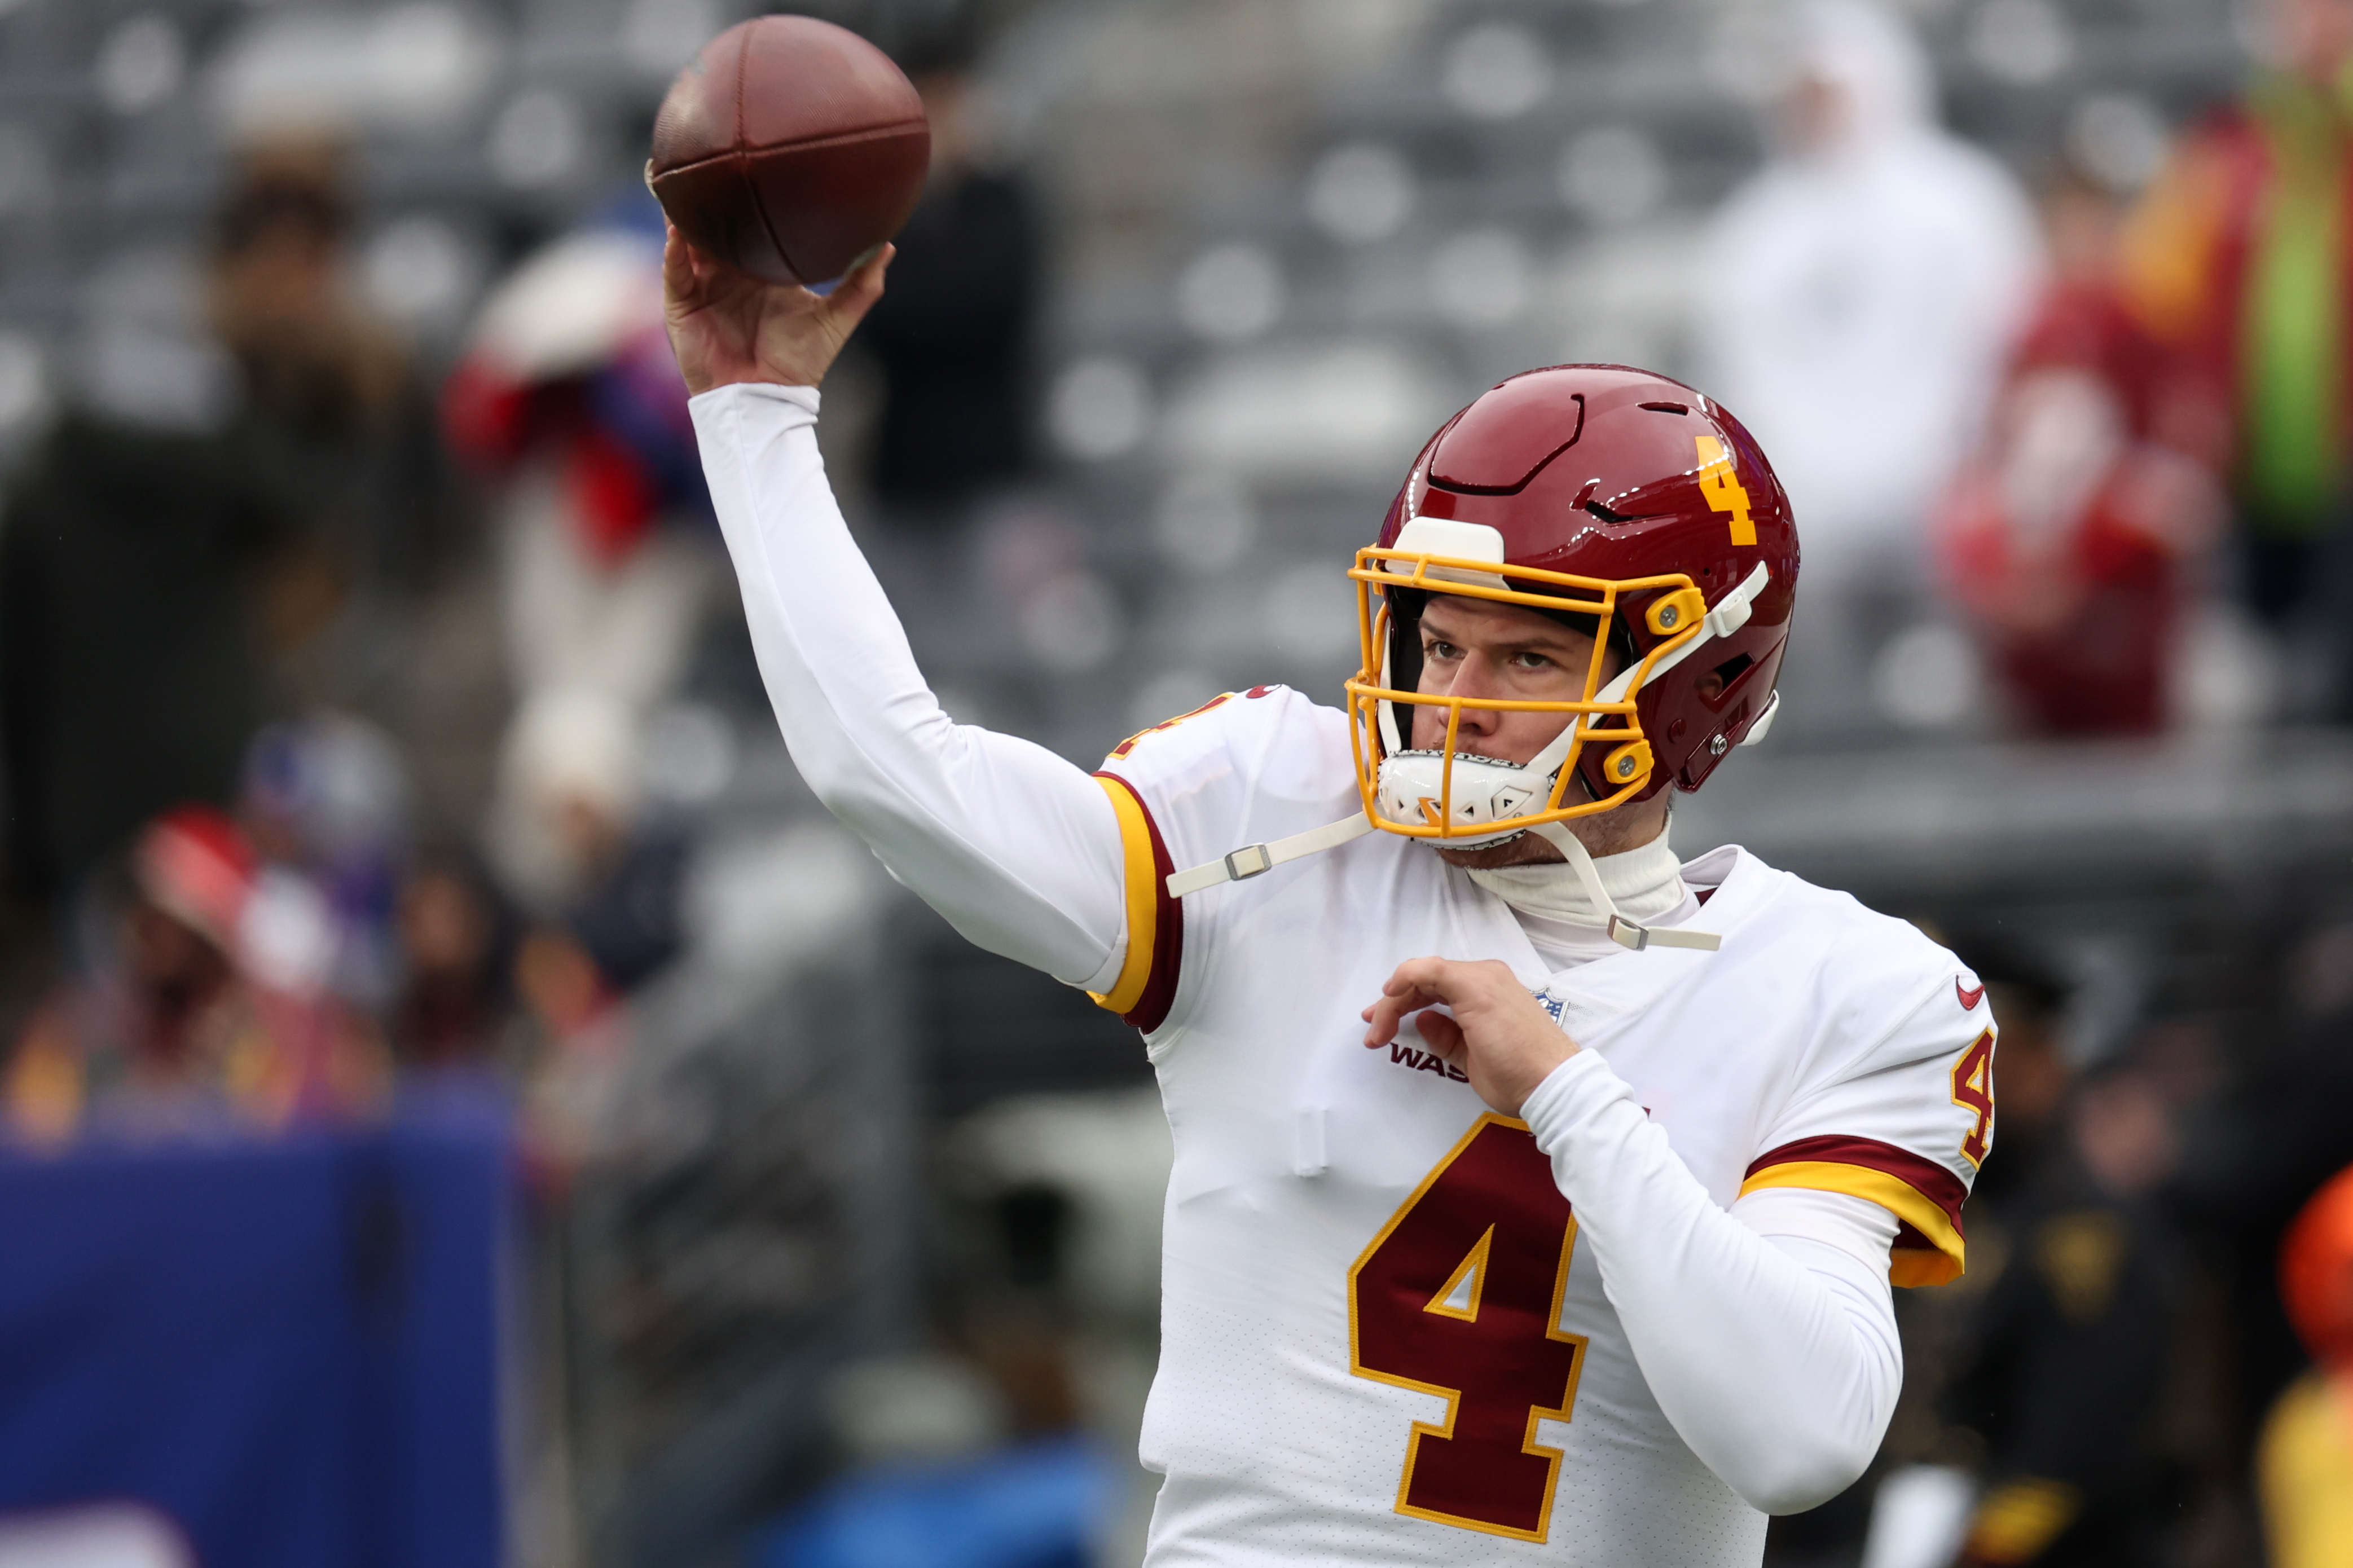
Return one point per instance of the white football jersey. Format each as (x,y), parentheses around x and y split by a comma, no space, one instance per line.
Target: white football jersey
(1381,1342)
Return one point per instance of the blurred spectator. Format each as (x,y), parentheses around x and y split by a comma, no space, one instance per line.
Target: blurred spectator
(174,1029)
(455,1004)
(162,571)
(335,414)
(952,334)
(603,877)
(326,799)
(571,406)
(1863,290)
(128,671)
(579,1052)
(2066,535)
(2067,1333)
(2305,1462)
(2237,257)
(578,842)
(2263,1147)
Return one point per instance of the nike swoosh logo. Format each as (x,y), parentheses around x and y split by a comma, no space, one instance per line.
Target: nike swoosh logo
(1969,998)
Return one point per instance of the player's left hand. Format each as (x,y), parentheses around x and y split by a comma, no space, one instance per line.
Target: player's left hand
(1499,1035)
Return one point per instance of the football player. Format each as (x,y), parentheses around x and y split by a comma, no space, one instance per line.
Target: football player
(1536,1196)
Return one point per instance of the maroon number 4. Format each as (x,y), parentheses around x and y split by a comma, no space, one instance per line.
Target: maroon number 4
(1460,1296)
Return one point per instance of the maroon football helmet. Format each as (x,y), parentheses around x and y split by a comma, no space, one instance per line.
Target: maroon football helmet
(1629,504)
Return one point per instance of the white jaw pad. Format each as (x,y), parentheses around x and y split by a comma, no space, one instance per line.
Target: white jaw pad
(1484,791)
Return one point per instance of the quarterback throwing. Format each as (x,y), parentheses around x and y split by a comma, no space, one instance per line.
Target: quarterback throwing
(1536,1196)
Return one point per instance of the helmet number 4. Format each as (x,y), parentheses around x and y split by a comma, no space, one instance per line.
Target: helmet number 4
(1460,1296)
(1721,484)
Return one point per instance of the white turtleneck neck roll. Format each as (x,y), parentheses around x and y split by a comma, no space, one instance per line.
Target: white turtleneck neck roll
(1563,923)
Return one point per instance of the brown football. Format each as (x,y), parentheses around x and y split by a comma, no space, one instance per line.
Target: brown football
(789,148)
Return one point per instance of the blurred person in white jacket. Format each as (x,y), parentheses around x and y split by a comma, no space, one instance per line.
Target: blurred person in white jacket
(1859,297)
(569,408)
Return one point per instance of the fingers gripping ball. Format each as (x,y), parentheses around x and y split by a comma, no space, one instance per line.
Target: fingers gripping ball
(789,148)
(2316,1272)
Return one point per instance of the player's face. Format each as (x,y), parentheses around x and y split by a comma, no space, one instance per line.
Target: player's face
(1475,647)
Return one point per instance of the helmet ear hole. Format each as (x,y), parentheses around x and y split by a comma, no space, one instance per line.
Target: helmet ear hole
(1710,685)
(1725,676)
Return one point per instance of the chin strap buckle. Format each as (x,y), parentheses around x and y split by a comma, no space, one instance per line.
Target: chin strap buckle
(1635,938)
(1258,859)
(1250,861)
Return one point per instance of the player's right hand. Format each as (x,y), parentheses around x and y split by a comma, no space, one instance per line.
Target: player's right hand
(727,326)
(1492,1029)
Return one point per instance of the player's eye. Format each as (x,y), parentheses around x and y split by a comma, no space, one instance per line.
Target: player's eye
(1528,659)
(1438,647)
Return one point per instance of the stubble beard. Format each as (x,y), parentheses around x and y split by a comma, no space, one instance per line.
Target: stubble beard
(1527,849)
(1628,826)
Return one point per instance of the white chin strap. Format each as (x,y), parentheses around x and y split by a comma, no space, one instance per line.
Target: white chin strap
(1258,859)
(1626,933)
(1481,790)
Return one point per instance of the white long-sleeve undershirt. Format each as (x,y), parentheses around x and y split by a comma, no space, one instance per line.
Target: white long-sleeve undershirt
(1766,1333)
(1017,848)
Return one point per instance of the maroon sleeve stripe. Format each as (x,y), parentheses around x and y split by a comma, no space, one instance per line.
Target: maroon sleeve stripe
(1922,1175)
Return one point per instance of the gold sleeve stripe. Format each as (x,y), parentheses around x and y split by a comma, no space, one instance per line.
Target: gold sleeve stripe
(1897,1196)
(1910,1267)
(1143,905)
(2020,1518)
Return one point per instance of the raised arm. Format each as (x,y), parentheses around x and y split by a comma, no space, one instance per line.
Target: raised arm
(1019,849)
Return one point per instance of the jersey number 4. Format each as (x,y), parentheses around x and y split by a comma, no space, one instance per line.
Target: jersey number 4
(1460,1296)
(1973,1092)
